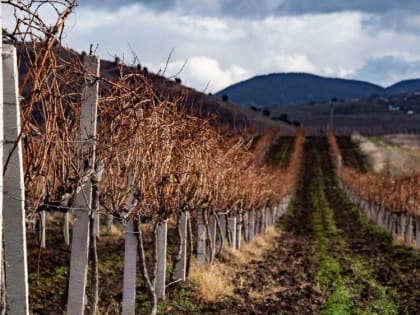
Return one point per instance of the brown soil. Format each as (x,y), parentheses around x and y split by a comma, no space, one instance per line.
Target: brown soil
(395,267)
(283,282)
(351,154)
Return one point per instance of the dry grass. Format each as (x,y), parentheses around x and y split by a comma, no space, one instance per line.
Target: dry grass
(253,250)
(213,281)
(216,280)
(395,154)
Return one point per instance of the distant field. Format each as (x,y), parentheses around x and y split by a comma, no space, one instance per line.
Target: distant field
(396,154)
(363,115)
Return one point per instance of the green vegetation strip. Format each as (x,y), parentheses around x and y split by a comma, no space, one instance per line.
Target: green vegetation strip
(281,156)
(353,291)
(329,275)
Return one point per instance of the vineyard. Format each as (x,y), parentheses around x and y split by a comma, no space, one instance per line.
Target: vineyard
(117,199)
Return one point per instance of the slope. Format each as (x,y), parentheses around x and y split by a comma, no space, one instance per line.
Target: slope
(296,88)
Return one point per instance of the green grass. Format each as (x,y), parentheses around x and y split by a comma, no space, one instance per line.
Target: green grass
(325,229)
(281,155)
(345,291)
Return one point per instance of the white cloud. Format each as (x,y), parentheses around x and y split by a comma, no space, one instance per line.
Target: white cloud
(225,49)
(292,63)
(203,71)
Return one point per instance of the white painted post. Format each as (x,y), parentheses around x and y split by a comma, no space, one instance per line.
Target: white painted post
(80,242)
(66,228)
(130,267)
(2,303)
(239,231)
(43,229)
(339,161)
(212,233)
(16,272)
(109,223)
(390,222)
(223,225)
(408,237)
(97,224)
(201,238)
(402,225)
(258,222)
(267,217)
(263,220)
(395,223)
(245,226)
(251,229)
(162,232)
(380,216)
(280,209)
(386,218)
(232,230)
(180,272)
(417,232)
(270,215)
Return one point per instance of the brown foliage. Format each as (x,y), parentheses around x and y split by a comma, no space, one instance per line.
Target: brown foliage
(157,158)
(396,194)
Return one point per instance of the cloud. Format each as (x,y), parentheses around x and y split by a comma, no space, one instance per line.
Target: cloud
(388,70)
(397,21)
(328,6)
(225,49)
(206,72)
(159,5)
(262,8)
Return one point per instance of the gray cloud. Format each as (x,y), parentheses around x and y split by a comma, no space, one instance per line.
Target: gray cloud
(262,8)
(367,6)
(388,70)
(158,5)
(398,20)
(224,49)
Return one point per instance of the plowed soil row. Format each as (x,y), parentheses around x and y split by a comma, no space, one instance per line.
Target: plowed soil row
(284,281)
(394,267)
(352,156)
(375,276)
(287,278)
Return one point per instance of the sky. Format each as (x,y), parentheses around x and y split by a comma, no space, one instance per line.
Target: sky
(226,41)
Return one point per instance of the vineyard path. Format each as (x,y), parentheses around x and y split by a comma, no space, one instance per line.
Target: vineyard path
(328,258)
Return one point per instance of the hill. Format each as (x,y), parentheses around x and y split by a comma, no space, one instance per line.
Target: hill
(406,86)
(371,115)
(283,89)
(225,115)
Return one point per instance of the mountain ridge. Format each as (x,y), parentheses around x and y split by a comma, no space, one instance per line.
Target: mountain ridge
(297,88)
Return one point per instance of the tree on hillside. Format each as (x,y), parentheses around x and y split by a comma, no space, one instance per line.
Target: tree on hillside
(256,109)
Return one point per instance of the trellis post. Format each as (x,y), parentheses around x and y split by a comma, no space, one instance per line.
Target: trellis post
(16,272)
(80,241)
